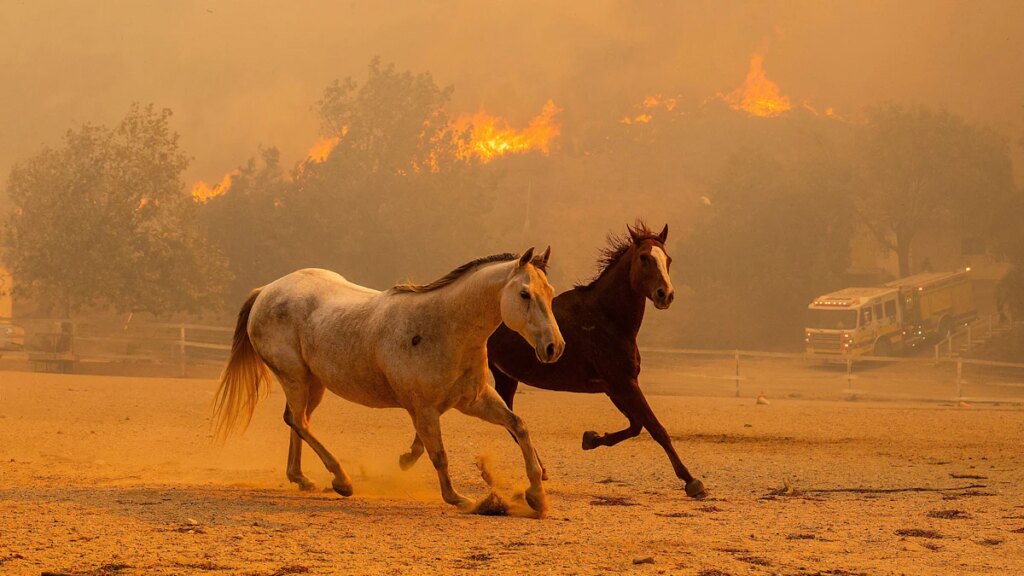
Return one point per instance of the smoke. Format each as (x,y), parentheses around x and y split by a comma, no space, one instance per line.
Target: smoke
(243,74)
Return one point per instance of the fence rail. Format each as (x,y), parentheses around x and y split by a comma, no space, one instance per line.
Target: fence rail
(796,374)
(65,346)
(59,345)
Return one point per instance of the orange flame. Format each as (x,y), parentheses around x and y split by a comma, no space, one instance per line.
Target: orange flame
(651,104)
(322,149)
(491,136)
(203,192)
(758,96)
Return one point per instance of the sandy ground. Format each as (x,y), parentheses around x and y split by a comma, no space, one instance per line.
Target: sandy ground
(107,475)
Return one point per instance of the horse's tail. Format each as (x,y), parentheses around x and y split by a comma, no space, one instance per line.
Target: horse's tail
(244,380)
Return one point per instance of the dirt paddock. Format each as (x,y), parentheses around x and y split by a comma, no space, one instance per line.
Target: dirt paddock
(108,475)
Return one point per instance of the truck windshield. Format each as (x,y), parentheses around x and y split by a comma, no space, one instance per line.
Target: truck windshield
(832,319)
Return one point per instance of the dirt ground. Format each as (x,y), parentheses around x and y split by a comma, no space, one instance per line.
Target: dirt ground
(109,475)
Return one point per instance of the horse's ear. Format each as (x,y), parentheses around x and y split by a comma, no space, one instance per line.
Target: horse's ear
(546,256)
(633,235)
(526,257)
(664,234)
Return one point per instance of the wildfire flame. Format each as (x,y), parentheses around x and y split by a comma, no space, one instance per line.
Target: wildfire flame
(650,105)
(203,192)
(491,136)
(322,149)
(758,96)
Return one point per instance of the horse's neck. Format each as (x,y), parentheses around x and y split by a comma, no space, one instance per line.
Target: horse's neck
(614,293)
(474,302)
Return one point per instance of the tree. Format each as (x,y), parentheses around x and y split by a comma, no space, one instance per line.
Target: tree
(921,168)
(252,227)
(393,194)
(104,220)
(773,236)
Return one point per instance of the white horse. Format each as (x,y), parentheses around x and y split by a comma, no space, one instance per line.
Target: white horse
(418,347)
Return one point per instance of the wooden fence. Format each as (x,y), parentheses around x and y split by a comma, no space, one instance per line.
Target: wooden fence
(62,345)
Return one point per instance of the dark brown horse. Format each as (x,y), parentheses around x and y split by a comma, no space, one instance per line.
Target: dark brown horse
(599,322)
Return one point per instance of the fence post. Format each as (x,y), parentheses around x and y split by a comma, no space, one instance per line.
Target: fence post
(181,351)
(849,373)
(959,378)
(737,354)
(969,340)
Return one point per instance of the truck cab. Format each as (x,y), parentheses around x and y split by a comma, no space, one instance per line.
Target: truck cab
(854,322)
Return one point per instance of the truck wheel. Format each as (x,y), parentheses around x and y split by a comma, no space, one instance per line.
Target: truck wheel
(883,347)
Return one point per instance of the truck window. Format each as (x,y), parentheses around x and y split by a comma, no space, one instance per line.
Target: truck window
(823,319)
(890,309)
(865,316)
(878,311)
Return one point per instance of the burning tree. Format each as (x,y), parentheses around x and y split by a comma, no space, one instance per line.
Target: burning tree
(396,185)
(253,225)
(103,220)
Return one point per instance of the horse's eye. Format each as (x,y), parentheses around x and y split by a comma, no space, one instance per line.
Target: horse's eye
(645,258)
(525,295)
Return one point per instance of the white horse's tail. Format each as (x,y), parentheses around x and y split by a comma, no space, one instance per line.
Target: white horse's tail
(244,381)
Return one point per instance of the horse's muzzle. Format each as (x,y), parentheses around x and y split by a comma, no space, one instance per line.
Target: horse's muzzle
(550,352)
(663,298)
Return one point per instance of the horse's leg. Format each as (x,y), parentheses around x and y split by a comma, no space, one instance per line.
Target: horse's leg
(506,386)
(491,408)
(407,460)
(592,439)
(295,475)
(298,393)
(428,430)
(633,400)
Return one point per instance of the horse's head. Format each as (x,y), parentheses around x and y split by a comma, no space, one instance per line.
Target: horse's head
(649,268)
(526,306)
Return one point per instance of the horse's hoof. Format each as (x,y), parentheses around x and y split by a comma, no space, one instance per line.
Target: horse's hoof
(303,483)
(590,440)
(695,489)
(343,489)
(544,474)
(537,500)
(461,502)
(407,460)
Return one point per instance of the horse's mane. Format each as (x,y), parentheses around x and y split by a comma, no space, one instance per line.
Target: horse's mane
(462,271)
(618,244)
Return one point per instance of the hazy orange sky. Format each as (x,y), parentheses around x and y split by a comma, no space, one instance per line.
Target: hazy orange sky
(243,74)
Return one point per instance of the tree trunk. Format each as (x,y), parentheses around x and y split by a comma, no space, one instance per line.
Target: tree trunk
(903,254)
(67,304)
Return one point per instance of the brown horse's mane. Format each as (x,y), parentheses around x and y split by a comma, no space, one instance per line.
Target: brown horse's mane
(618,245)
(409,287)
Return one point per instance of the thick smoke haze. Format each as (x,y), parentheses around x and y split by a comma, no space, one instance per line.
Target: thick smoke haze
(239,75)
